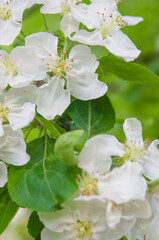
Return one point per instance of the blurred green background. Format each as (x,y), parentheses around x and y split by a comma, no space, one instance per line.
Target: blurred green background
(128,99)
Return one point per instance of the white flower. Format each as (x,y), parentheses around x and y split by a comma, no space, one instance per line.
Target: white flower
(68,23)
(12,151)
(73,74)
(123,188)
(85,221)
(16,67)
(121,185)
(135,149)
(105,21)
(17,107)
(11,13)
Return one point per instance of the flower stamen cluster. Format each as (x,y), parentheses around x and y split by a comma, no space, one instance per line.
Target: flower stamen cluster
(83,229)
(5,11)
(58,65)
(132,153)
(4,111)
(7,66)
(110,23)
(87,185)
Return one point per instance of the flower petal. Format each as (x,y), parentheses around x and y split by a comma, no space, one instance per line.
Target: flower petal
(52,7)
(123,184)
(133,132)
(132,20)
(96,154)
(120,45)
(88,38)
(52,98)
(9,30)
(46,234)
(84,84)
(151,161)
(58,221)
(3,174)
(45,43)
(13,147)
(21,116)
(69,24)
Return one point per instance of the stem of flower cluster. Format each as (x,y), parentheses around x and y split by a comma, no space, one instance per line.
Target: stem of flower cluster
(45,23)
(23,33)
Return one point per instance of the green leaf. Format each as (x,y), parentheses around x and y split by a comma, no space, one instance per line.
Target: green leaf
(44,182)
(64,147)
(95,116)
(51,127)
(34,225)
(8,209)
(128,71)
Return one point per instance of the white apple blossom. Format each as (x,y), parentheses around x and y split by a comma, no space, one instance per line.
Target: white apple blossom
(69,23)
(71,75)
(123,188)
(135,149)
(85,220)
(11,13)
(105,22)
(121,185)
(16,67)
(17,107)
(148,228)
(12,151)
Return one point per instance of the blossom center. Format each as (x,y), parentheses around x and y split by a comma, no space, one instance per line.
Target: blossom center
(4,111)
(8,67)
(110,23)
(58,65)
(132,153)
(83,230)
(5,11)
(87,185)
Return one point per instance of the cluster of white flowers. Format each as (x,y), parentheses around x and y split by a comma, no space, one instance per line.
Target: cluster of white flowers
(111,201)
